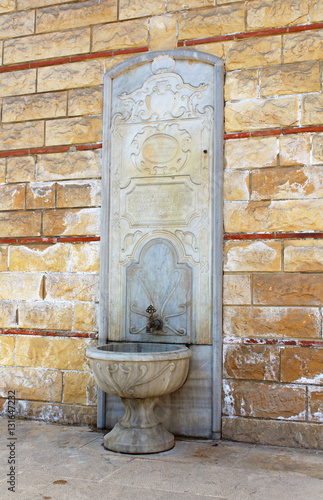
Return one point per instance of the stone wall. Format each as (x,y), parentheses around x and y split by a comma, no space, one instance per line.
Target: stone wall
(54,55)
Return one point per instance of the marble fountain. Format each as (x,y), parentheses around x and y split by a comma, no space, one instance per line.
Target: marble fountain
(161,252)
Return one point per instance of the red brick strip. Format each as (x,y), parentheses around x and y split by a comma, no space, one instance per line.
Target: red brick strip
(311,343)
(46,333)
(271,236)
(46,240)
(270,341)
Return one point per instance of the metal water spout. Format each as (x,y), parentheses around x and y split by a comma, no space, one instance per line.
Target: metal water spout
(153,323)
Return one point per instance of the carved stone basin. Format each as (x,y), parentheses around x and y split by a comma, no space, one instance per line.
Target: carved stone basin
(139,374)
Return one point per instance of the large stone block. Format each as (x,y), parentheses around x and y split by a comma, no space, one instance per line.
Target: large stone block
(271,322)
(78,193)
(302,365)
(85,257)
(20,224)
(129,9)
(124,35)
(275,433)
(48,315)
(85,317)
(312,106)
(241,85)
(36,47)
(294,149)
(12,197)
(287,183)
(75,15)
(64,286)
(21,286)
(290,79)
(30,4)
(17,24)
(2,170)
(253,52)
(316,11)
(40,195)
(74,130)
(21,169)
(211,22)
(8,314)
(251,362)
(3,258)
(163,32)
(261,216)
(40,257)
(317,146)
(7,6)
(7,350)
(73,222)
(274,13)
(252,256)
(71,75)
(43,385)
(52,352)
(192,4)
(288,289)
(315,404)
(56,412)
(70,165)
(85,102)
(259,400)
(21,135)
(303,255)
(250,153)
(304,46)
(34,107)
(236,185)
(236,289)
(79,388)
(261,114)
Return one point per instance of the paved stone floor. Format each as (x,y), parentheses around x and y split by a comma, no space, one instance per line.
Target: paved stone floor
(66,462)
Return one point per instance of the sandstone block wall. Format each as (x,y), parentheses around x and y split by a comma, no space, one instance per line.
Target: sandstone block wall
(53,55)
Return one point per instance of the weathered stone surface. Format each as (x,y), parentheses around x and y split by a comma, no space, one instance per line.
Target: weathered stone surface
(273,13)
(2,170)
(52,352)
(40,257)
(288,289)
(316,11)
(12,196)
(8,317)
(56,412)
(79,388)
(74,222)
(251,153)
(29,4)
(75,15)
(64,286)
(315,404)
(163,32)
(44,385)
(48,315)
(317,146)
(17,24)
(241,84)
(7,6)
(34,107)
(78,193)
(259,400)
(251,362)
(290,79)
(70,165)
(302,365)
(312,106)
(7,350)
(218,49)
(21,135)
(303,255)
(287,183)
(269,322)
(85,102)
(299,47)
(261,113)
(17,286)
(40,195)
(252,256)
(211,22)
(85,257)
(129,9)
(253,52)
(236,185)
(20,224)
(74,130)
(48,45)
(294,149)
(71,75)
(3,258)
(275,433)
(21,169)
(192,4)
(260,216)
(126,35)
(85,317)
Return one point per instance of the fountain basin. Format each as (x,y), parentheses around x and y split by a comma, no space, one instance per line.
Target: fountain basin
(139,373)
